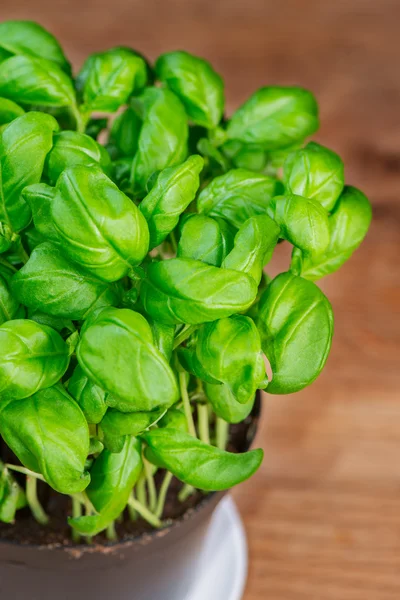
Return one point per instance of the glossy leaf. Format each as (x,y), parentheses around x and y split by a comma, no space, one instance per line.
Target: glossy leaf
(201,239)
(107,79)
(254,245)
(39,198)
(237,196)
(183,290)
(198,464)
(113,477)
(32,357)
(24,144)
(296,327)
(49,435)
(197,85)
(117,352)
(9,110)
(98,227)
(303,222)
(174,418)
(9,305)
(163,137)
(275,117)
(348,225)
(91,398)
(31,39)
(229,350)
(163,336)
(116,426)
(315,172)
(225,405)
(173,191)
(125,132)
(56,286)
(36,81)
(72,148)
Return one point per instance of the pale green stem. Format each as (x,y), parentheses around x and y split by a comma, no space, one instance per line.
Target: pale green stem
(132,511)
(184,335)
(141,490)
(25,471)
(186,404)
(163,494)
(76,513)
(145,513)
(203,424)
(33,501)
(111,534)
(222,433)
(151,486)
(185,492)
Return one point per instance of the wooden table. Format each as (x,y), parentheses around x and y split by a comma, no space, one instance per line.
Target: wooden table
(323,513)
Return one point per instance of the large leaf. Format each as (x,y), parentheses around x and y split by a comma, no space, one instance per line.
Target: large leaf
(49,435)
(32,357)
(117,352)
(198,464)
(173,191)
(296,326)
(183,290)
(275,117)
(197,85)
(56,286)
(24,144)
(98,227)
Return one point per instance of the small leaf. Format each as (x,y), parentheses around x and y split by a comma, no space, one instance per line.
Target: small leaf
(116,425)
(201,239)
(125,132)
(198,464)
(225,405)
(9,110)
(91,398)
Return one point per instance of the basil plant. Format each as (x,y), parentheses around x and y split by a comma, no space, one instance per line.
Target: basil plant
(136,316)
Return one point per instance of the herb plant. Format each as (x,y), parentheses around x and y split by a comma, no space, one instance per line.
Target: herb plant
(136,221)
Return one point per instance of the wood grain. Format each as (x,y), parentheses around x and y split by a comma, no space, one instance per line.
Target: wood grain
(323,514)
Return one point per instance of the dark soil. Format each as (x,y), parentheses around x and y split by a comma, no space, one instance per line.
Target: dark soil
(26,530)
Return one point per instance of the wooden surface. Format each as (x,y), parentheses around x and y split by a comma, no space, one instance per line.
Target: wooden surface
(323,513)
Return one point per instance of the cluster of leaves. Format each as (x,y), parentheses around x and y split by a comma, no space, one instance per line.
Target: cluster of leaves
(134,308)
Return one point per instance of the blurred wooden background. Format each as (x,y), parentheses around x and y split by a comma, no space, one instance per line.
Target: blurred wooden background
(323,514)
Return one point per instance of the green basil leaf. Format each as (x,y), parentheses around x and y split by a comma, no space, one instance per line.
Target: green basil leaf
(117,352)
(7,237)
(32,357)
(31,39)
(125,132)
(98,227)
(24,144)
(303,222)
(275,117)
(174,418)
(173,191)
(189,361)
(163,336)
(183,290)
(254,245)
(107,79)
(196,84)
(229,350)
(9,110)
(49,435)
(35,81)
(296,328)
(9,305)
(112,479)
(39,197)
(116,425)
(198,464)
(163,137)
(91,398)
(12,496)
(225,405)
(348,225)
(201,239)
(315,172)
(72,148)
(56,286)
(237,196)
(60,325)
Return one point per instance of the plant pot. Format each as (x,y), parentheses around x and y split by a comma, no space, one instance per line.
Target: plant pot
(160,565)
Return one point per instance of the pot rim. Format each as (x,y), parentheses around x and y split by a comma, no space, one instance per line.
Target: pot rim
(146,537)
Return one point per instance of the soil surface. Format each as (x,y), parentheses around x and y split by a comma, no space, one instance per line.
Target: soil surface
(26,530)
